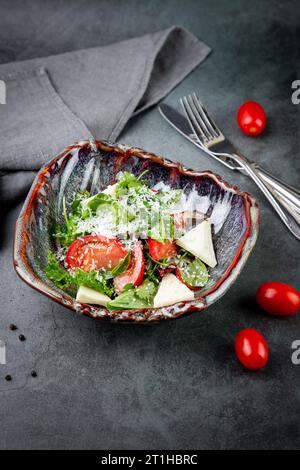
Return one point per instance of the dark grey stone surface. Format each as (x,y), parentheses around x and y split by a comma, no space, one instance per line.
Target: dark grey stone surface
(173,385)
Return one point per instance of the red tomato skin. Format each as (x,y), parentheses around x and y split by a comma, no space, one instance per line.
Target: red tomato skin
(251,349)
(278,299)
(135,273)
(84,249)
(160,250)
(70,260)
(251,118)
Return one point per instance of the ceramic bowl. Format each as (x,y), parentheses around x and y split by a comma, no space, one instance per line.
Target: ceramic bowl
(93,165)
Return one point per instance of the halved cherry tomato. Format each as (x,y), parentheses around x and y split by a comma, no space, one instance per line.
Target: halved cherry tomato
(95,252)
(160,250)
(251,349)
(278,299)
(135,273)
(251,118)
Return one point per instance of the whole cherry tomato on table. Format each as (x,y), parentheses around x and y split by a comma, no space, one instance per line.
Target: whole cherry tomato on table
(278,299)
(251,118)
(251,349)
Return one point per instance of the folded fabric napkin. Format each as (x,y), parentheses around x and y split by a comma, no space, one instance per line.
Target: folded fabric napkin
(55,101)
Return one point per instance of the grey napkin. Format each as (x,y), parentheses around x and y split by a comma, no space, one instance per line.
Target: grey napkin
(55,101)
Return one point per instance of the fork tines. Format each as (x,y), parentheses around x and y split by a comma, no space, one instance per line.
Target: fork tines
(203,126)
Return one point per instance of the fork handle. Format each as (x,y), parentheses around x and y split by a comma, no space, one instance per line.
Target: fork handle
(286,210)
(289,193)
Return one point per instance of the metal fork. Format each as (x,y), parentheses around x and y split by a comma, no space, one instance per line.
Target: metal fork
(284,199)
(222,149)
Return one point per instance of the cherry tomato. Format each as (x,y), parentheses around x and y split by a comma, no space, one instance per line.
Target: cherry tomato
(251,349)
(179,276)
(251,118)
(135,273)
(160,250)
(278,299)
(95,252)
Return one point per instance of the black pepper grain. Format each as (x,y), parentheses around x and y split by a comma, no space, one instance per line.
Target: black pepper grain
(33,373)
(8,378)
(13,327)
(22,338)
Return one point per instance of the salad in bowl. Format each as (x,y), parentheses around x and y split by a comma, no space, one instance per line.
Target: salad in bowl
(133,246)
(118,233)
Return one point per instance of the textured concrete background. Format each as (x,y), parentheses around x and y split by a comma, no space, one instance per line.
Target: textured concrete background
(173,385)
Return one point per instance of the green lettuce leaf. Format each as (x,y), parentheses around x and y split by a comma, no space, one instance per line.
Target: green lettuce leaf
(193,272)
(60,277)
(63,279)
(94,280)
(128,180)
(68,232)
(135,298)
(122,266)
(98,200)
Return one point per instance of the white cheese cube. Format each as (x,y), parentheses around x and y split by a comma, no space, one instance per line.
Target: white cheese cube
(91,296)
(198,241)
(171,291)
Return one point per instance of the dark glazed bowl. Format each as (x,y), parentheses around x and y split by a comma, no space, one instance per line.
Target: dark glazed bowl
(93,165)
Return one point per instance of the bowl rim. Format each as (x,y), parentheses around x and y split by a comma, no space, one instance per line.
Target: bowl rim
(27,274)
